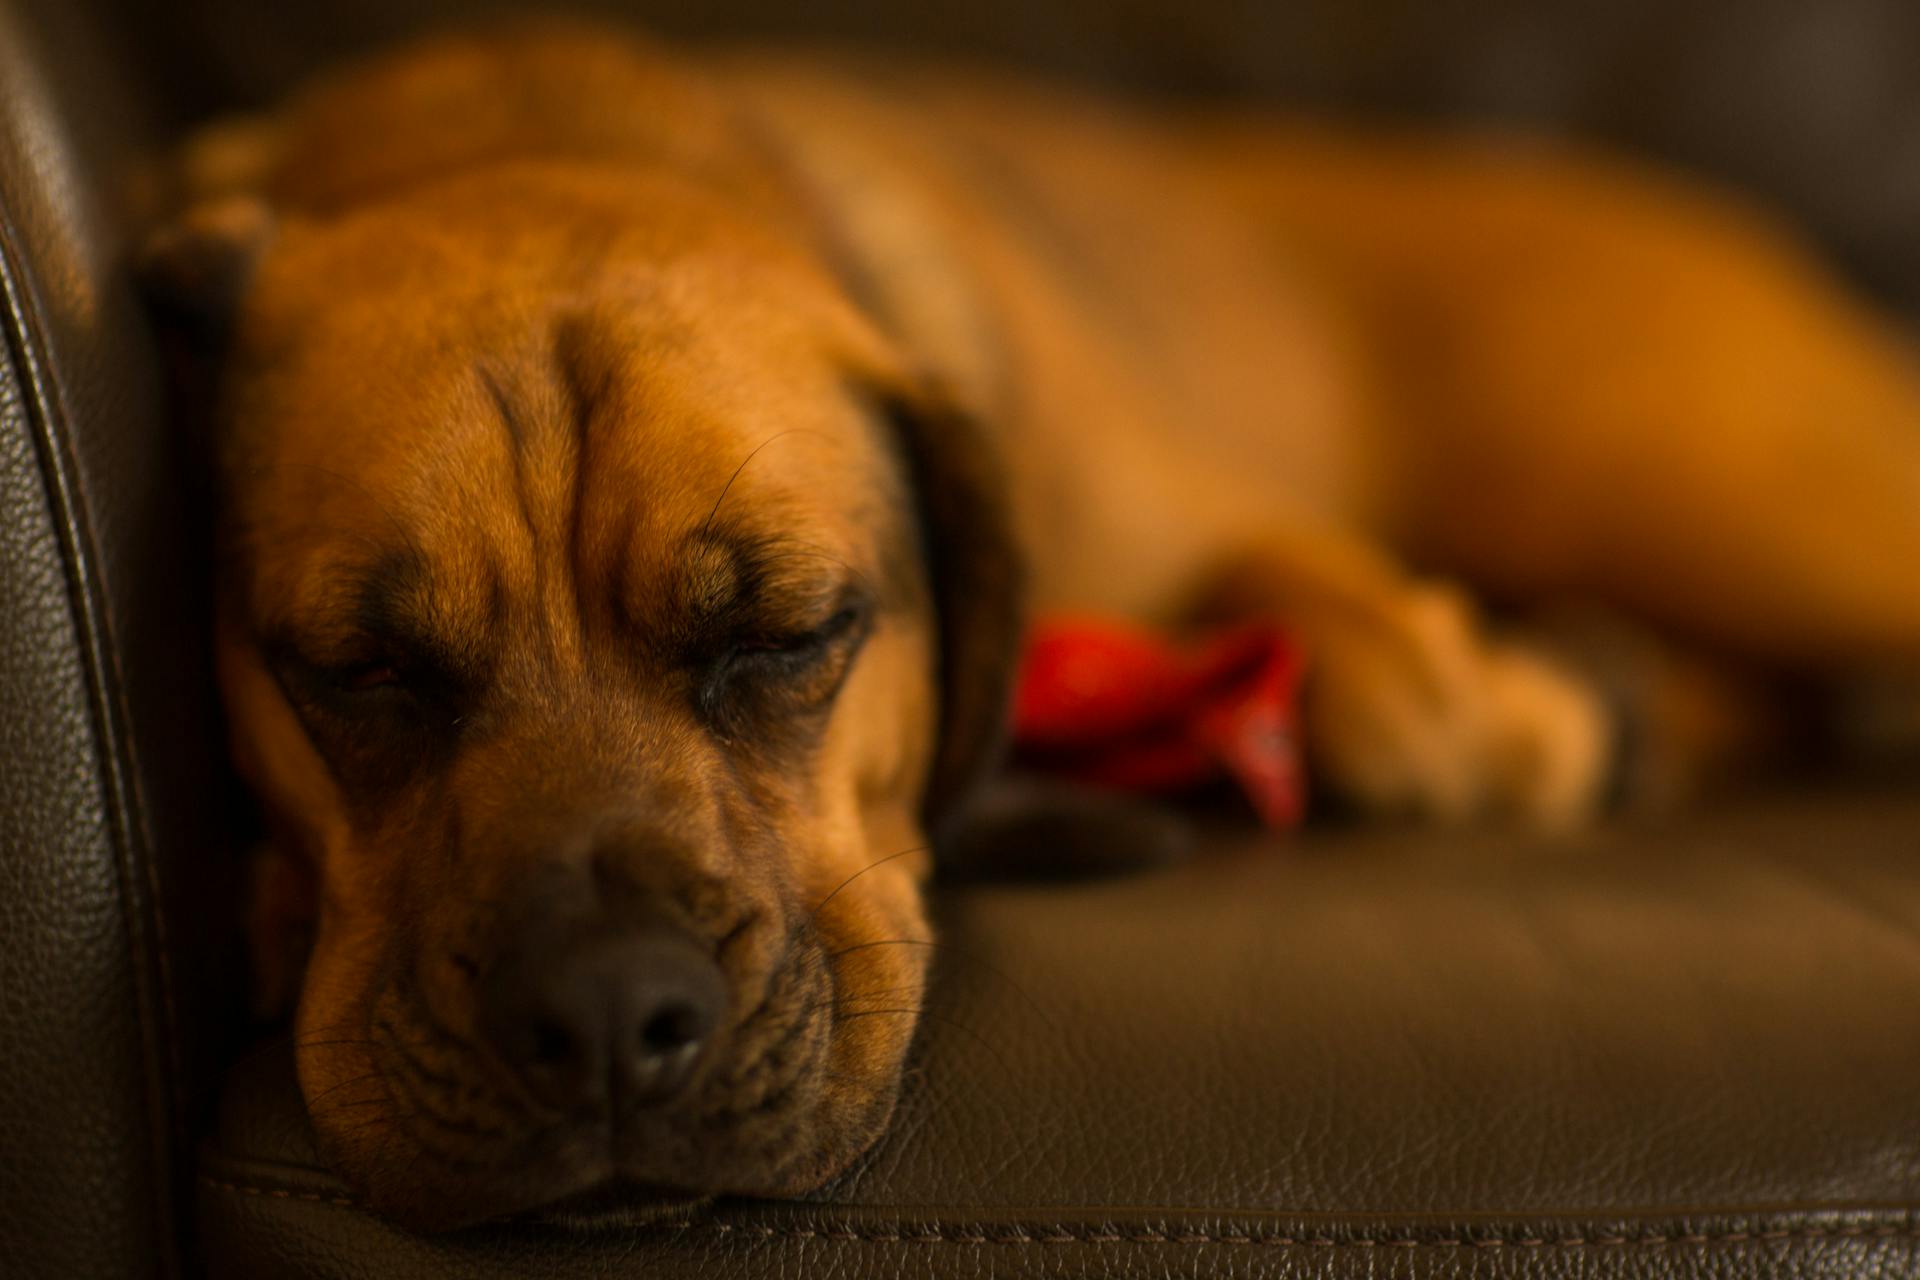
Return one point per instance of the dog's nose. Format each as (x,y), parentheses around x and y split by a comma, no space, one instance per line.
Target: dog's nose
(603,1016)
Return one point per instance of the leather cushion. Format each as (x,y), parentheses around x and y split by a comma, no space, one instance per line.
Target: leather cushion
(1640,1051)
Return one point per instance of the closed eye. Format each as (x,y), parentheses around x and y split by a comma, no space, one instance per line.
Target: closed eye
(364,677)
(800,644)
(785,673)
(369,678)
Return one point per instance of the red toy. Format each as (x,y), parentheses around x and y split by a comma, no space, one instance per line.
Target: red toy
(1112,705)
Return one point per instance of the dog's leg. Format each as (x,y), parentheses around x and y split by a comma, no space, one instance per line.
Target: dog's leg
(1754,488)
(1412,704)
(1599,382)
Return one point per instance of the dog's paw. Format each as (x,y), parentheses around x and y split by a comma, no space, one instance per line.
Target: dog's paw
(1413,709)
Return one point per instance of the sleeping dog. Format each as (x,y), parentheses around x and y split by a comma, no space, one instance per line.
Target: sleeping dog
(634,467)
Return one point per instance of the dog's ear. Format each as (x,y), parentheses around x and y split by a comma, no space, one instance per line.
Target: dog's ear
(282,907)
(976,577)
(195,268)
(210,220)
(985,825)
(193,271)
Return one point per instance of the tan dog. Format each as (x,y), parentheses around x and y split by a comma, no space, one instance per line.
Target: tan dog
(630,460)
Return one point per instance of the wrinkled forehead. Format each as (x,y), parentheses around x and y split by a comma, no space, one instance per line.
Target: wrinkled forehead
(628,433)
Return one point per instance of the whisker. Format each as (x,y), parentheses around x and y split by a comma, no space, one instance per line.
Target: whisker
(370,1122)
(351,1104)
(814,914)
(707,524)
(505,1085)
(948,949)
(287,1039)
(362,1041)
(840,1001)
(313,1104)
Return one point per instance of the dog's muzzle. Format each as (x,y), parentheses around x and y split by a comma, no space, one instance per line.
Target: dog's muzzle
(598,1018)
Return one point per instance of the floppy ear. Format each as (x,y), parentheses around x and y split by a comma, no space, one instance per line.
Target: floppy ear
(976,578)
(210,221)
(282,906)
(984,825)
(195,268)
(193,272)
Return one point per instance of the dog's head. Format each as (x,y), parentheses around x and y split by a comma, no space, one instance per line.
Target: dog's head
(607,613)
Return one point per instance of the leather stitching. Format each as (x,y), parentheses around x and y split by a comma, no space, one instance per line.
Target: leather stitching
(280,1193)
(976,1235)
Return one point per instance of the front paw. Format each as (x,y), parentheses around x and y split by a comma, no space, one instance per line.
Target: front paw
(1412,709)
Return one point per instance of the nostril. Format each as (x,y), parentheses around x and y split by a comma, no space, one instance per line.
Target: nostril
(605,1014)
(551,1044)
(674,1027)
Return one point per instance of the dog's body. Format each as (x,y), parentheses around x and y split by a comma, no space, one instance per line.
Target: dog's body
(550,349)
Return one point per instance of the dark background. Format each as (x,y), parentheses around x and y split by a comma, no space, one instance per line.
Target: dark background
(1812,104)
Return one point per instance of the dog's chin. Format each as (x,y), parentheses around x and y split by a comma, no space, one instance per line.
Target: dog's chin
(575,1182)
(576,1200)
(791,1098)
(576,1197)
(409,1192)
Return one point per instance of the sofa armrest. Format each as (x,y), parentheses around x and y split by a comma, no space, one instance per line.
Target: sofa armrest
(108,762)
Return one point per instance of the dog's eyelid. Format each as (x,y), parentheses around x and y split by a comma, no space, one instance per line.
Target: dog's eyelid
(339,654)
(782,612)
(809,665)
(350,663)
(849,614)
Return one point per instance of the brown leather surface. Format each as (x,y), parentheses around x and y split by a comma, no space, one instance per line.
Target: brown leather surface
(1683,1050)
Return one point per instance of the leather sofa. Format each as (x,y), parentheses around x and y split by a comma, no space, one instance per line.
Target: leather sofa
(1670,1048)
